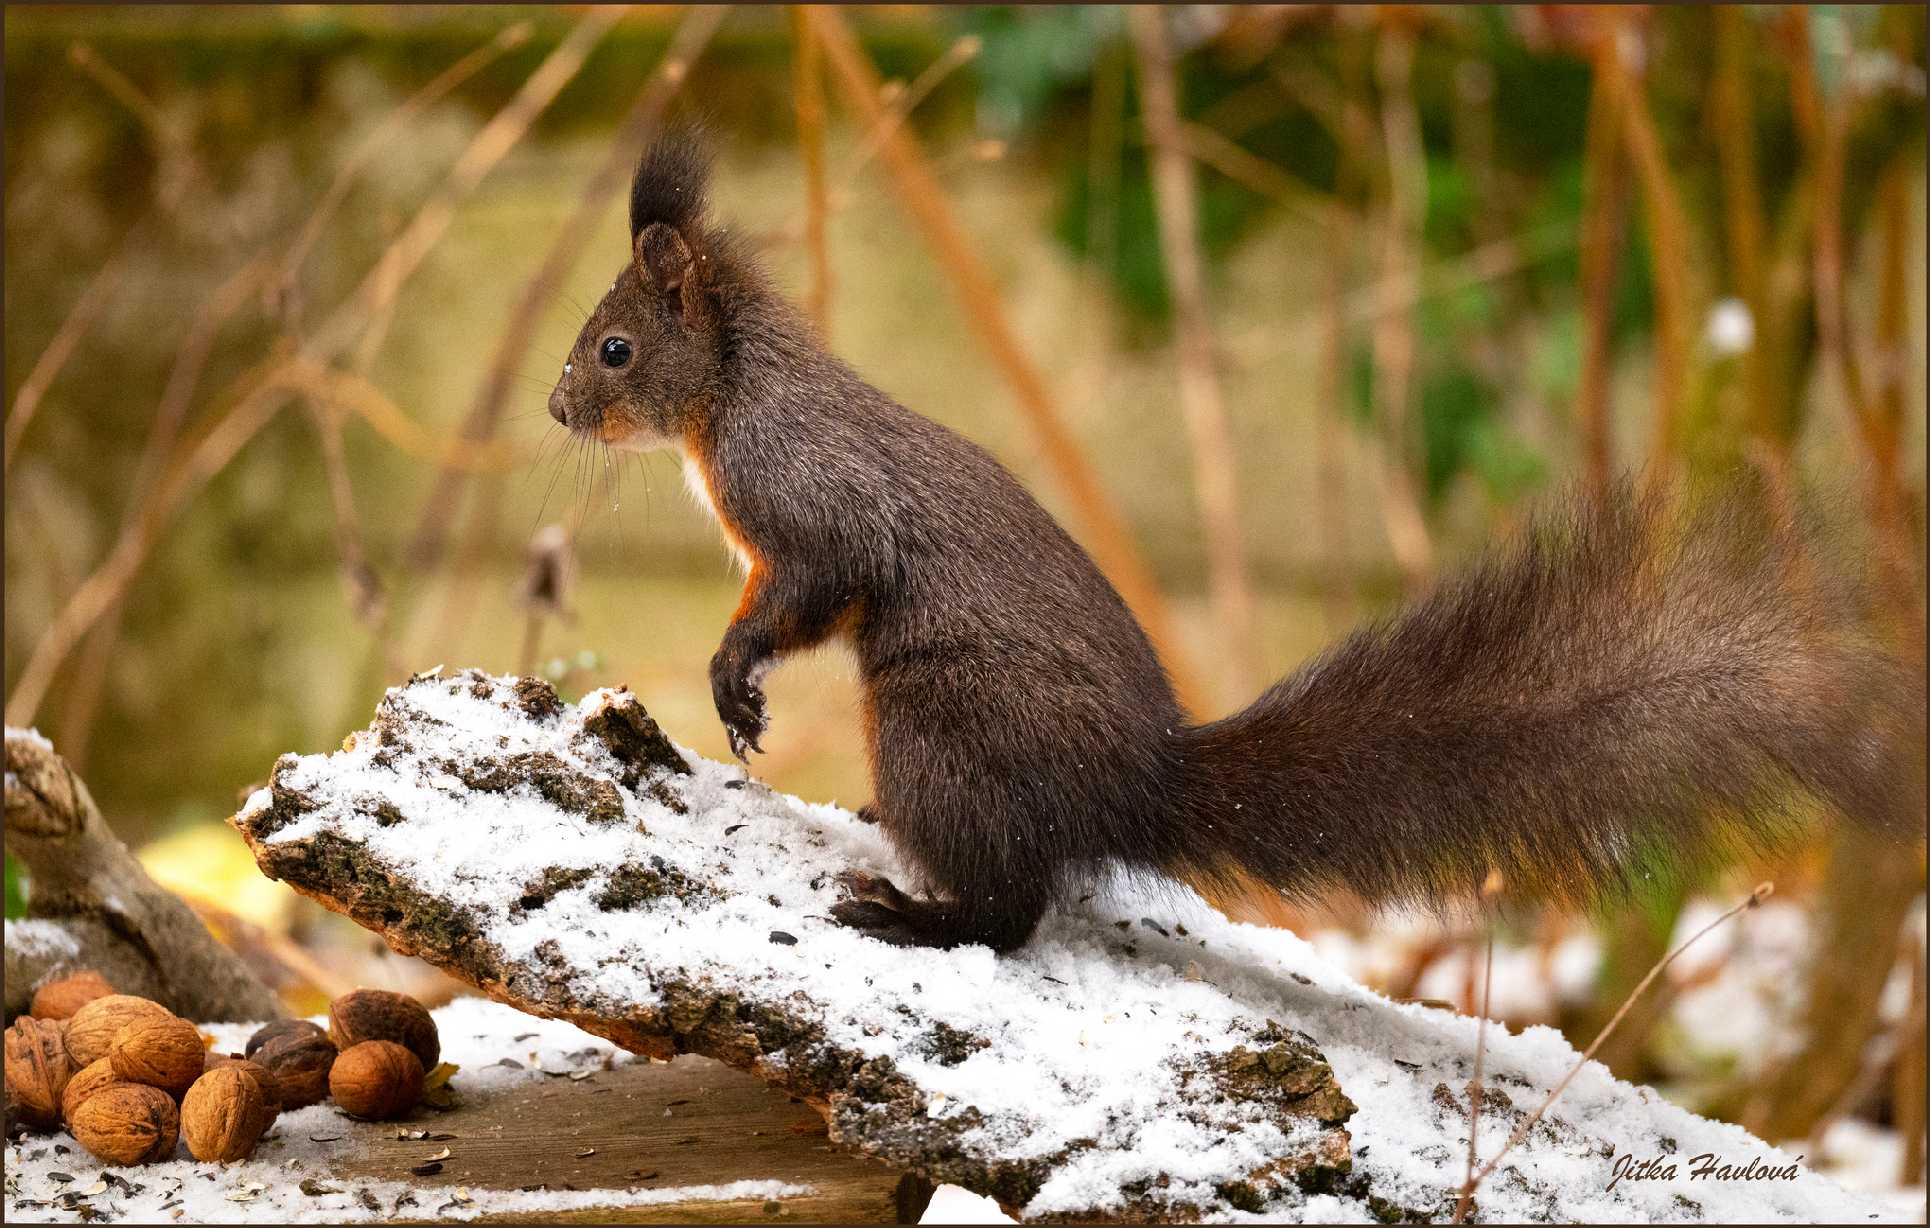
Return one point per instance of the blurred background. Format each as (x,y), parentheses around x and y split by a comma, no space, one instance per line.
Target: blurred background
(1282,309)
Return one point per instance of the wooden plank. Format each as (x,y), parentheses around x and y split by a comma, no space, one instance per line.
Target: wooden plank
(645,1125)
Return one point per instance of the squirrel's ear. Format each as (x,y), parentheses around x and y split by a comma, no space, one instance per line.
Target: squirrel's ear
(663,258)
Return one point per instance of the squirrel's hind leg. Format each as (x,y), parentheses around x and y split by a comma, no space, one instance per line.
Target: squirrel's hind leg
(876,906)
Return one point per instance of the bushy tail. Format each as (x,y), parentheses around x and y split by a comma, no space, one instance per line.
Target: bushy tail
(1627,685)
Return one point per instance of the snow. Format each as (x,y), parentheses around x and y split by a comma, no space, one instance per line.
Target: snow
(266,1188)
(39,939)
(1093,1025)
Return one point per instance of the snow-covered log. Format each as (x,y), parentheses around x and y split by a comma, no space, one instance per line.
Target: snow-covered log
(1140,1058)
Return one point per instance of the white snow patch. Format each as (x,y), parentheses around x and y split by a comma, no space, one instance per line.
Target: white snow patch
(41,939)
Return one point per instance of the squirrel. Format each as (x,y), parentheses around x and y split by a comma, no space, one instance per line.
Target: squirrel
(1619,682)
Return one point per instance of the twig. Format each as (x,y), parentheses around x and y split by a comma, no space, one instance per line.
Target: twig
(1755,898)
(807,93)
(509,38)
(1604,204)
(1474,1085)
(489,146)
(262,397)
(80,700)
(449,453)
(1400,502)
(438,510)
(1253,173)
(1742,208)
(1668,231)
(1111,540)
(111,79)
(81,317)
(1214,468)
(899,108)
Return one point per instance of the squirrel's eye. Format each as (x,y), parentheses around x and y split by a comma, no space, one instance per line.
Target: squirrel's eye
(616,352)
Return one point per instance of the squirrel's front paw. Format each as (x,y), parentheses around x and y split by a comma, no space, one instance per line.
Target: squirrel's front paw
(740,705)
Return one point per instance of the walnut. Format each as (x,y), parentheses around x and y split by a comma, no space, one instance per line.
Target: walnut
(166,1053)
(377,1080)
(61,997)
(86,1081)
(94,1026)
(265,1078)
(377,1014)
(127,1123)
(299,1055)
(223,1115)
(38,1070)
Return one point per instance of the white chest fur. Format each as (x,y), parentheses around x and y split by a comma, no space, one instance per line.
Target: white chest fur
(699,488)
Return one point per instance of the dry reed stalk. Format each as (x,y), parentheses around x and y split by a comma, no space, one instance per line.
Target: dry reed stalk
(1203,144)
(165,135)
(898,109)
(262,397)
(1754,899)
(427,543)
(1604,206)
(1743,217)
(1668,234)
(362,586)
(1402,216)
(81,698)
(81,317)
(1214,467)
(807,94)
(899,101)
(392,124)
(449,453)
(919,194)
(1466,1200)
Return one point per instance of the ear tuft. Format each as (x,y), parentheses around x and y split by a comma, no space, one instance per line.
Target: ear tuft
(662,257)
(670,181)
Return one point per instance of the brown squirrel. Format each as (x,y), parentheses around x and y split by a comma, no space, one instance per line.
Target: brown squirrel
(1622,683)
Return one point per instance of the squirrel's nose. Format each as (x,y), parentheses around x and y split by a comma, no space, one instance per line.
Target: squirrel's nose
(556,405)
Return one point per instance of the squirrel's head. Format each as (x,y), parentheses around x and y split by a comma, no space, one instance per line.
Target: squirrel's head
(645,365)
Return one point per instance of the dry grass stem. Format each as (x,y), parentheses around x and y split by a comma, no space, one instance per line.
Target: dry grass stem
(1668,233)
(1466,1199)
(391,126)
(1755,898)
(489,146)
(899,106)
(80,699)
(807,92)
(262,396)
(1214,467)
(1393,344)
(1604,209)
(81,317)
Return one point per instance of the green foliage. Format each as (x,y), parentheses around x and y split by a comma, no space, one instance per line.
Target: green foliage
(16,889)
